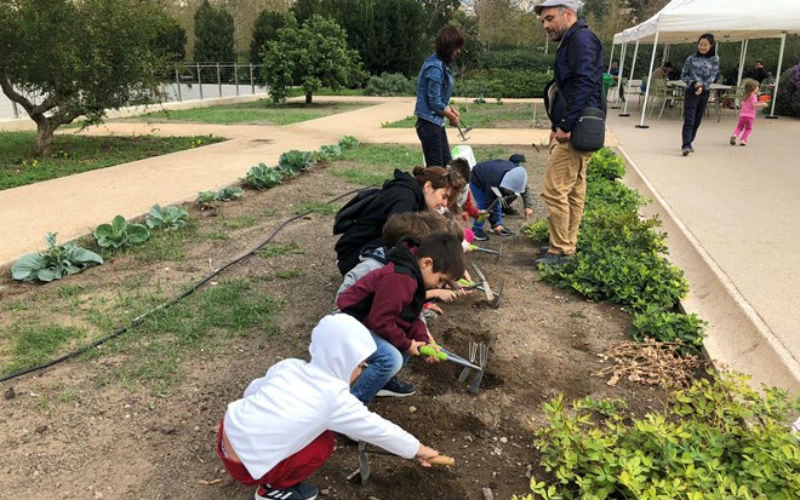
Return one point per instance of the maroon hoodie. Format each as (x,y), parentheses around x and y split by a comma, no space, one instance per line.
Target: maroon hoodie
(389,300)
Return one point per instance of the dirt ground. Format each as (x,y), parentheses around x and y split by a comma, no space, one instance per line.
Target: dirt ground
(111,441)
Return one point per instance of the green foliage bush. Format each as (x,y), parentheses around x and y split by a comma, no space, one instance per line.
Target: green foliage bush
(120,233)
(328,152)
(390,84)
(209,199)
(262,177)
(536,230)
(293,162)
(167,218)
(348,142)
(502,83)
(668,326)
(789,92)
(54,263)
(717,439)
(516,59)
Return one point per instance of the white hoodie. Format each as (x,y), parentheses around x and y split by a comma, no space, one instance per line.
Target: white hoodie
(282,412)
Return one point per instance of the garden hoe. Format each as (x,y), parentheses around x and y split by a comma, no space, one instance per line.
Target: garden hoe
(479,352)
(364,472)
(463,130)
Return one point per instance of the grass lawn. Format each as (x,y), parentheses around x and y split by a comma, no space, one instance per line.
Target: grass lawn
(376,162)
(260,112)
(487,115)
(74,154)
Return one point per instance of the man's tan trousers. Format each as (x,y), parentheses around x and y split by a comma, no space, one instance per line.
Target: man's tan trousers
(564,192)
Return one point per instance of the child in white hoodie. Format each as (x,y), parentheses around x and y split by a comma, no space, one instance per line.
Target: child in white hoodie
(283,429)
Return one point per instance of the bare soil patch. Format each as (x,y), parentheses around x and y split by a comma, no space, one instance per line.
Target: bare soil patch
(83,430)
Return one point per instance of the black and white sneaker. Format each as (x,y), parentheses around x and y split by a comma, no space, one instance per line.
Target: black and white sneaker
(395,388)
(301,491)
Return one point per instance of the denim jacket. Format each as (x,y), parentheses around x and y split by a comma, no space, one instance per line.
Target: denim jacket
(434,89)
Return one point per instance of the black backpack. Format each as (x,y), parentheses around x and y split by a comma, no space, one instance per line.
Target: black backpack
(349,214)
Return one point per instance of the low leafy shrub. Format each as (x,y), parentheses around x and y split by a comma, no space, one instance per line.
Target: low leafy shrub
(328,152)
(120,233)
(166,218)
(605,164)
(789,92)
(516,59)
(55,262)
(668,326)
(537,230)
(348,142)
(296,161)
(390,84)
(208,199)
(262,177)
(716,439)
(502,83)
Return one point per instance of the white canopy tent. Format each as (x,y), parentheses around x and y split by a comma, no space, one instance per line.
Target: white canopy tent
(683,21)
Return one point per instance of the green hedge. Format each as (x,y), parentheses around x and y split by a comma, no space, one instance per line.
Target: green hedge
(502,83)
(516,59)
(622,258)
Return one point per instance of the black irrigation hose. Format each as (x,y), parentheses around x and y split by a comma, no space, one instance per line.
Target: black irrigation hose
(163,307)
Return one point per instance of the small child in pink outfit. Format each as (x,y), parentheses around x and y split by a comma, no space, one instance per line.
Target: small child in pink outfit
(747,112)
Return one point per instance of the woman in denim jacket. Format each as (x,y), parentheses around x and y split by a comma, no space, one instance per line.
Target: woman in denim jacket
(434,89)
(699,72)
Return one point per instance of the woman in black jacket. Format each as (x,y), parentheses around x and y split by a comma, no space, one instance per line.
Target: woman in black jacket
(424,189)
(699,72)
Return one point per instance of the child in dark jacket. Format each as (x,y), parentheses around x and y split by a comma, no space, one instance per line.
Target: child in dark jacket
(389,301)
(423,190)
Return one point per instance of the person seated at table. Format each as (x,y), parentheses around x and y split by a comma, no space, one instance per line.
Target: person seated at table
(758,73)
(660,73)
(733,77)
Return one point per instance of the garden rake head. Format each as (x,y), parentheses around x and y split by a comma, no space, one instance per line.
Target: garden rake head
(463,130)
(478,356)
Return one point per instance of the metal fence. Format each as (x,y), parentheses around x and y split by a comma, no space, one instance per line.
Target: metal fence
(189,81)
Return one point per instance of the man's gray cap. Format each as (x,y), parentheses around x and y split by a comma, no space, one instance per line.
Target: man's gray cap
(515,180)
(569,4)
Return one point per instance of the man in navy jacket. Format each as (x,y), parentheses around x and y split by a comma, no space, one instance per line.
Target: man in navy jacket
(577,85)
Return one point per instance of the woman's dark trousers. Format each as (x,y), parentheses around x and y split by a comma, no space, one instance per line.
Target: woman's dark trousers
(434,143)
(694,106)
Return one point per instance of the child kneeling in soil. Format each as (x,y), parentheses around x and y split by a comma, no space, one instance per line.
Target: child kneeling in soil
(283,429)
(389,301)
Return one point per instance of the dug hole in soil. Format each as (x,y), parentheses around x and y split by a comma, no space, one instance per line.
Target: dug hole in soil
(113,442)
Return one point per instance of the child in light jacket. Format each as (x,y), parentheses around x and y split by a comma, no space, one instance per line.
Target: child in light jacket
(281,431)
(747,113)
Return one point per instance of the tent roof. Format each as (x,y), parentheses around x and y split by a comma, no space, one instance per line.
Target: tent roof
(729,20)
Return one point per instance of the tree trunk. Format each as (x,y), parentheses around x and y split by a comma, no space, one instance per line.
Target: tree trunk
(44,137)
(308,97)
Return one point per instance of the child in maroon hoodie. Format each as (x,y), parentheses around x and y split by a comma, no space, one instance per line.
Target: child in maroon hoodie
(389,300)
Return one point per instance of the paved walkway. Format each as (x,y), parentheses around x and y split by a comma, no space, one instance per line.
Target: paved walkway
(739,206)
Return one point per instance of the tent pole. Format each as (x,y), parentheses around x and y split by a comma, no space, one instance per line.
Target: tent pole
(611,60)
(647,91)
(665,55)
(620,83)
(742,57)
(772,114)
(633,67)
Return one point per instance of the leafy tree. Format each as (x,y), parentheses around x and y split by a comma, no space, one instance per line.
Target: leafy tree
(390,35)
(312,55)
(170,42)
(266,28)
(60,59)
(440,12)
(304,9)
(213,34)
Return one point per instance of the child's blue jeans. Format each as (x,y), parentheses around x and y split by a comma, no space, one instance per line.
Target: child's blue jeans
(482,203)
(384,364)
